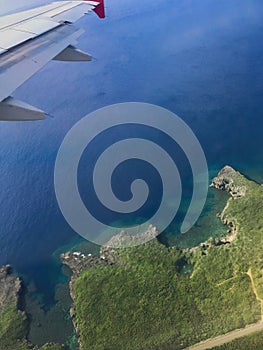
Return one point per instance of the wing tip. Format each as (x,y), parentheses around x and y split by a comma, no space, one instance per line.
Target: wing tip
(100,9)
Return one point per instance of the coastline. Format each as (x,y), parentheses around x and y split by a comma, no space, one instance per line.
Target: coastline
(227,180)
(79,263)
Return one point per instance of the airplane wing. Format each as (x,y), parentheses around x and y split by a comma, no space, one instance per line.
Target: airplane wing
(29,40)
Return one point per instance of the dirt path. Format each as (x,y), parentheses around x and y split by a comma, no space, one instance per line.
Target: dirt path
(226,338)
(255,291)
(238,333)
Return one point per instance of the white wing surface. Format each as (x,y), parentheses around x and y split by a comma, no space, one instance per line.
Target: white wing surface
(29,40)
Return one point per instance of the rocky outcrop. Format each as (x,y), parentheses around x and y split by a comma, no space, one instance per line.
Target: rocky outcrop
(234,183)
(10,287)
(77,262)
(232,229)
(230,181)
(124,239)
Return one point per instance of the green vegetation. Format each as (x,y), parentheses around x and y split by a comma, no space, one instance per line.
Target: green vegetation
(146,302)
(250,342)
(12,329)
(247,215)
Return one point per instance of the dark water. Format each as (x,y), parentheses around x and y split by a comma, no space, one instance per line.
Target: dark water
(200,59)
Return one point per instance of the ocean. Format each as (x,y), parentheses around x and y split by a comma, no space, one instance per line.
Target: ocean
(201,60)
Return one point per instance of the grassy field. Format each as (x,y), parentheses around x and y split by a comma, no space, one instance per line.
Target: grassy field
(147,302)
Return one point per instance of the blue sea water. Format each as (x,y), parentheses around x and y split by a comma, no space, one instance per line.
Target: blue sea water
(200,59)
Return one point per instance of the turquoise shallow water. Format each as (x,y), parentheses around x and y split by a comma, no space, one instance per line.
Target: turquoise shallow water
(201,60)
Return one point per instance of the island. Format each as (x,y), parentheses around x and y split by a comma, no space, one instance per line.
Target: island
(153,297)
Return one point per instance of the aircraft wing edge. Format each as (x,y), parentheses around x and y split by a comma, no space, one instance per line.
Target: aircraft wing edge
(34,42)
(12,109)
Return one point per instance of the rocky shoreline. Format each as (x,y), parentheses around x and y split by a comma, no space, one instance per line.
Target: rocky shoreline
(11,288)
(231,181)
(226,180)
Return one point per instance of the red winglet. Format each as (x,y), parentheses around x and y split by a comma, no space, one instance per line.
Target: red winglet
(100,9)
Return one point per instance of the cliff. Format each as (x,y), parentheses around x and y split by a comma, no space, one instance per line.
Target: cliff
(231,181)
(10,287)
